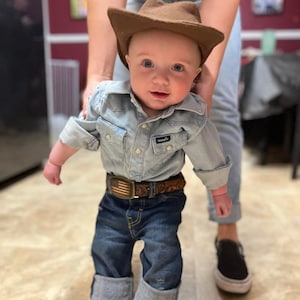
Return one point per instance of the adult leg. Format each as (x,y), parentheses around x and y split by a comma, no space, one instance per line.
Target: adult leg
(226,117)
(120,71)
(232,274)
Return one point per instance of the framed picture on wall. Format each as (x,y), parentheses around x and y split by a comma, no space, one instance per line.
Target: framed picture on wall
(78,9)
(267,7)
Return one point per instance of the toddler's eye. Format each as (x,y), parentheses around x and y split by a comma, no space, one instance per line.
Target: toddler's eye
(147,63)
(177,68)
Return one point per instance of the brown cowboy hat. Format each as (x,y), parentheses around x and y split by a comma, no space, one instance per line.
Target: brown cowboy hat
(179,17)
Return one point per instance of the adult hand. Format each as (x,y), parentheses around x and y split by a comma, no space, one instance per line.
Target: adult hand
(89,90)
(91,85)
(204,86)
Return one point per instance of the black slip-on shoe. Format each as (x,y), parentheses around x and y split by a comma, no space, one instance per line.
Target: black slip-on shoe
(232,274)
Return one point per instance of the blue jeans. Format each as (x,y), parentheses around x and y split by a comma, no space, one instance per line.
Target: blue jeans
(224,112)
(120,223)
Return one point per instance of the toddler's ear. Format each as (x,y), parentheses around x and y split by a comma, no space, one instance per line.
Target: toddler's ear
(198,71)
(127,59)
(196,80)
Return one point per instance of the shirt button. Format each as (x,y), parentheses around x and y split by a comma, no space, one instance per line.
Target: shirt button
(138,151)
(169,148)
(144,126)
(108,137)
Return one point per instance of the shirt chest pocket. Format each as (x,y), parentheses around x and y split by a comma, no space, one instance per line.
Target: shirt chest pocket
(112,136)
(169,143)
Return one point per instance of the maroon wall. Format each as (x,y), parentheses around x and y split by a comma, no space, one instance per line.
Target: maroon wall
(61,22)
(73,51)
(289,19)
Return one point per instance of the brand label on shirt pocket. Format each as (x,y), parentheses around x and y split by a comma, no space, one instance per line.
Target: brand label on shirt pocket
(170,142)
(163,139)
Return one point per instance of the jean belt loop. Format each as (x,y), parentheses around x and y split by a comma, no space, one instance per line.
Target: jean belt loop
(152,189)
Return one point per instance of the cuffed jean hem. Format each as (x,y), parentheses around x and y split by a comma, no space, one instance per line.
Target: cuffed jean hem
(146,292)
(234,216)
(109,288)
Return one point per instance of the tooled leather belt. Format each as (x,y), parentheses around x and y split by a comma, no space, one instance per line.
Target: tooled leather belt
(128,189)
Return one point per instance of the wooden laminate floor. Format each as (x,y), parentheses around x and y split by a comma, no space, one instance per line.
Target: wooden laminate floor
(46,232)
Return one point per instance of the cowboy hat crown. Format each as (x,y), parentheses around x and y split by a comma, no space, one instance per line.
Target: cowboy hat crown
(179,17)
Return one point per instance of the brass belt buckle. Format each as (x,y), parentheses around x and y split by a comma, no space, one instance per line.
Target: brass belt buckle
(122,187)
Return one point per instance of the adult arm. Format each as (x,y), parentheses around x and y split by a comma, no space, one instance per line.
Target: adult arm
(220,15)
(102,48)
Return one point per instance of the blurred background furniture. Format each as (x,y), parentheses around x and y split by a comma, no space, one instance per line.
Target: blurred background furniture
(24,139)
(296,147)
(270,95)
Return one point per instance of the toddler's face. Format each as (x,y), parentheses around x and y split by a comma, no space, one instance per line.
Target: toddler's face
(163,66)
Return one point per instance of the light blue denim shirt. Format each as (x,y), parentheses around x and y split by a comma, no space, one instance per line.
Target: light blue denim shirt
(148,149)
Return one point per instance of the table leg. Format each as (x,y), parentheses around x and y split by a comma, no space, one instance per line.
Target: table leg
(296,144)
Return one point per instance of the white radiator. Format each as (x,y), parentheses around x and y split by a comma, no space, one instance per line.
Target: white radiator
(65,84)
(65,99)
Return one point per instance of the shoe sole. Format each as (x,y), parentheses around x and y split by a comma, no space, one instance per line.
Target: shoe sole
(233,285)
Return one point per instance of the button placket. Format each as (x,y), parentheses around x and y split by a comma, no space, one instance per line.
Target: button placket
(141,142)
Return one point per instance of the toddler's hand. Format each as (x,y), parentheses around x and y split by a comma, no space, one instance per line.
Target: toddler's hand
(52,173)
(223,205)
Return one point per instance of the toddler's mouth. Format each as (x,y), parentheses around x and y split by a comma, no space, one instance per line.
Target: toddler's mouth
(159,94)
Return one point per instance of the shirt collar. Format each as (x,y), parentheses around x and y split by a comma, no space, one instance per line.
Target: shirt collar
(192,102)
